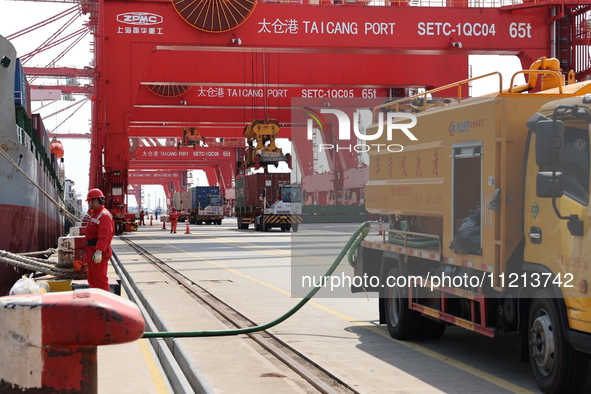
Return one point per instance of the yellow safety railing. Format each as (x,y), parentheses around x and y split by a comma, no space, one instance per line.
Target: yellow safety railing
(530,84)
(419,101)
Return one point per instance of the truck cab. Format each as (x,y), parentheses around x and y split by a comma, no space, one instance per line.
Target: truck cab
(558,238)
(291,199)
(212,213)
(285,212)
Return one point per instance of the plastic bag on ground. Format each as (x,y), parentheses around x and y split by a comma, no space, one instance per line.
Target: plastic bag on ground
(25,285)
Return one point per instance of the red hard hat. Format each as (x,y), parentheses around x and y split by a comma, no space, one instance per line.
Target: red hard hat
(94,193)
(173,209)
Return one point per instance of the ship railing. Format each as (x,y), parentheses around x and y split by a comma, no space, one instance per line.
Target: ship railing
(411,3)
(24,138)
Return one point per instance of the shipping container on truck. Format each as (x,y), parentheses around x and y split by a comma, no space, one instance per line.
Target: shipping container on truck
(489,222)
(268,200)
(206,205)
(182,202)
(229,200)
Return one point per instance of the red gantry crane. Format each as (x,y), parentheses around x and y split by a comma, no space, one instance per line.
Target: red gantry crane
(162,66)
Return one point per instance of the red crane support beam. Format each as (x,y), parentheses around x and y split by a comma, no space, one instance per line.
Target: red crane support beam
(211,174)
(224,170)
(62,136)
(165,185)
(143,177)
(225,108)
(187,156)
(176,184)
(87,72)
(86,90)
(281,28)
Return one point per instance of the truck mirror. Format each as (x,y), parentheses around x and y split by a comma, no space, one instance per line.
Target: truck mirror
(573,111)
(549,185)
(549,142)
(533,120)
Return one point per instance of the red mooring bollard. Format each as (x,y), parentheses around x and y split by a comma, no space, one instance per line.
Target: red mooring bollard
(187,231)
(48,341)
(163,224)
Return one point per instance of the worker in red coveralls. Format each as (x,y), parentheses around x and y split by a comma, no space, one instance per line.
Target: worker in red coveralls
(142,214)
(99,234)
(174,218)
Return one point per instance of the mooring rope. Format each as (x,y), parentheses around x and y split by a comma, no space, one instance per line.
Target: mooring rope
(39,265)
(48,252)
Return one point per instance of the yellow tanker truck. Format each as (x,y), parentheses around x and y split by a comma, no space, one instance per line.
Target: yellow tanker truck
(489,220)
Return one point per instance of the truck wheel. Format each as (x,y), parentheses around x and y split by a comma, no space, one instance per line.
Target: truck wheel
(403,323)
(432,329)
(294,227)
(241,226)
(558,367)
(264,226)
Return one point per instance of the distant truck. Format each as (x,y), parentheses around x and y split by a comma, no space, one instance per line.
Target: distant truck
(268,200)
(489,222)
(207,205)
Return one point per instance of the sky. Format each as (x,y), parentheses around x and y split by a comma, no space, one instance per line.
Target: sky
(18,15)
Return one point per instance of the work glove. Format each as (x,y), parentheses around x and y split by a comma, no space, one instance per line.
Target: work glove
(98,256)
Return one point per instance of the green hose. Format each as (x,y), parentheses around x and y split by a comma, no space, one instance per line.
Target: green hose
(355,245)
(292,311)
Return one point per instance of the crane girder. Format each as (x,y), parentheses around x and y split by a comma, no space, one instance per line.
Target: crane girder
(145,177)
(86,90)
(87,72)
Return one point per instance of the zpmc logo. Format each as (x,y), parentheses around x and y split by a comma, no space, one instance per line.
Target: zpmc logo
(140,18)
(365,117)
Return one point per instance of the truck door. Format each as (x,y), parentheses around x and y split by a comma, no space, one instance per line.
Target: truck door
(557,249)
(550,239)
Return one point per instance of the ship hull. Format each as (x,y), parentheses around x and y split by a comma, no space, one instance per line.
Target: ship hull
(30,203)
(29,221)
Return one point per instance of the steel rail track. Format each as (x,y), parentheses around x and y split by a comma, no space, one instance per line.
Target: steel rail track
(317,376)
